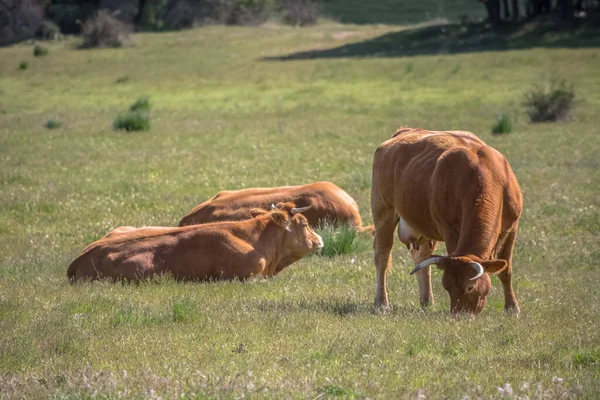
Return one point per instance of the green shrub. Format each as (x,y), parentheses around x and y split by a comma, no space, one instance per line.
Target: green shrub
(23,65)
(132,121)
(122,79)
(48,31)
(104,30)
(339,240)
(40,51)
(52,124)
(503,124)
(550,102)
(141,104)
(300,12)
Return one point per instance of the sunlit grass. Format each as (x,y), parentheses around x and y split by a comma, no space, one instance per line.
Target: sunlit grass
(224,119)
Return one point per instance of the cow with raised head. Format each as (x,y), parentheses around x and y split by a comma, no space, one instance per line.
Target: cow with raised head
(451,187)
(263,245)
(329,204)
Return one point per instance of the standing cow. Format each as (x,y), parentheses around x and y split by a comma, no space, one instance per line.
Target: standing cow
(263,245)
(330,204)
(451,187)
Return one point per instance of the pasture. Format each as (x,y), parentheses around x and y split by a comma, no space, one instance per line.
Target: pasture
(228,113)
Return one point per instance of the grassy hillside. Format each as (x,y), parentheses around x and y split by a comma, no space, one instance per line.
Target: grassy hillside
(225,118)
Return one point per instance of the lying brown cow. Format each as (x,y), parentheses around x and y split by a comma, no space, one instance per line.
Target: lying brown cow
(329,204)
(263,245)
(451,187)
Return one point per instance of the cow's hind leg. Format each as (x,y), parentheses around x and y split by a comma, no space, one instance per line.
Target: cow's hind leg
(385,224)
(505,253)
(424,251)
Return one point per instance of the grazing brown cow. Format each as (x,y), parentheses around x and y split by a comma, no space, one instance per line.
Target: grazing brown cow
(451,187)
(329,204)
(263,245)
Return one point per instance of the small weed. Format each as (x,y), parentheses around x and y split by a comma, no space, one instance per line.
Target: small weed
(122,79)
(23,65)
(589,357)
(52,124)
(503,124)
(178,312)
(40,51)
(550,102)
(336,391)
(132,121)
(409,68)
(339,240)
(141,104)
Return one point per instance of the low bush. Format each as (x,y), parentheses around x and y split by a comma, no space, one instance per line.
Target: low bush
(141,104)
(300,12)
(48,31)
(104,30)
(503,124)
(132,121)
(23,65)
(52,124)
(553,101)
(40,51)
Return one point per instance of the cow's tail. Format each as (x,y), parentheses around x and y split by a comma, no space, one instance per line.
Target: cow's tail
(369,229)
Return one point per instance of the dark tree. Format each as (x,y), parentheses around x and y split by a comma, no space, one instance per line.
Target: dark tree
(493,10)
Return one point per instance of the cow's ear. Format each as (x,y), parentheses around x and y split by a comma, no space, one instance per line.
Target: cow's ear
(280,218)
(255,212)
(493,266)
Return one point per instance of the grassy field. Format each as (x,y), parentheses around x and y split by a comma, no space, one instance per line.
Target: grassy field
(226,117)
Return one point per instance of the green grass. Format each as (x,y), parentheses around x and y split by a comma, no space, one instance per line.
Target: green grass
(223,119)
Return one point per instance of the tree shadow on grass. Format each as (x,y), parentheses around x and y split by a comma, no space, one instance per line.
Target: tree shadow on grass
(462,38)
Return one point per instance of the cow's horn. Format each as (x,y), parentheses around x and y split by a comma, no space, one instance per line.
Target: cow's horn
(272,206)
(427,263)
(477,268)
(297,210)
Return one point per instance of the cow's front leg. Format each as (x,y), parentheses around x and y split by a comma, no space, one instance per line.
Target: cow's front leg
(421,253)
(510,300)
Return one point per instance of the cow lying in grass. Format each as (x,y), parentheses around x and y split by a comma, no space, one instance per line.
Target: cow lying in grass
(263,245)
(330,204)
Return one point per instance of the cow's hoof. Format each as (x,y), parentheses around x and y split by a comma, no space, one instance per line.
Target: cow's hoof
(381,307)
(512,310)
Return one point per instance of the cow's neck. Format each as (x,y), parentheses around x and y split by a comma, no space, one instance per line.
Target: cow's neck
(267,238)
(479,230)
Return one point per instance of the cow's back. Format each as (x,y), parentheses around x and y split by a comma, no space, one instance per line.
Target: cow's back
(329,203)
(425,174)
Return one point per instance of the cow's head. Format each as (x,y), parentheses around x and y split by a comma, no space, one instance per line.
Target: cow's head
(298,236)
(466,279)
